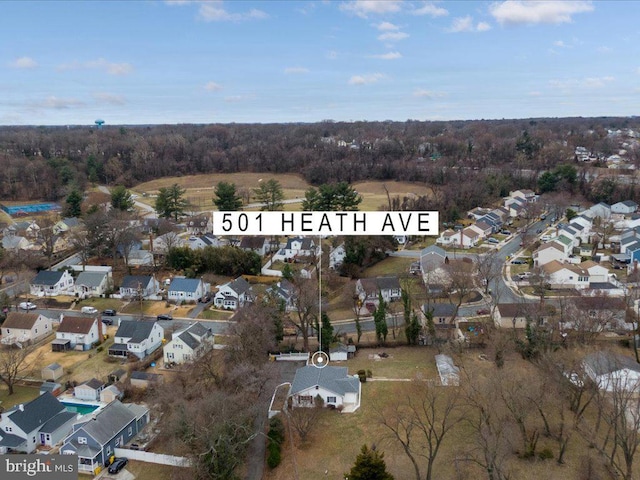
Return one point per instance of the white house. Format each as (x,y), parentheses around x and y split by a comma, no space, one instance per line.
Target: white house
(134,286)
(91,284)
(202,241)
(233,295)
(297,247)
(528,195)
(368,289)
(563,275)
(336,257)
(549,252)
(188,344)
(285,292)
(65,225)
(624,208)
(257,244)
(89,390)
(163,243)
(187,289)
(602,210)
(466,238)
(79,333)
(139,338)
(42,421)
(15,242)
(197,225)
(21,328)
(612,372)
(332,384)
(597,273)
(51,284)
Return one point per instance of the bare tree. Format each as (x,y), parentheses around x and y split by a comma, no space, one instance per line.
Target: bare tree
(421,419)
(462,281)
(304,419)
(305,311)
(489,268)
(16,363)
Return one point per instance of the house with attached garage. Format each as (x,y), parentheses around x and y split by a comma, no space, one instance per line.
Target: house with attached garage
(563,275)
(188,344)
(24,328)
(42,421)
(612,371)
(50,284)
(78,333)
(296,247)
(368,289)
(207,240)
(91,284)
(624,208)
(96,436)
(233,295)
(136,286)
(187,289)
(549,252)
(333,384)
(139,338)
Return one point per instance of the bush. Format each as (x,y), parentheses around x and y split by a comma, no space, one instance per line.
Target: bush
(100,348)
(362,375)
(545,454)
(276,430)
(273,456)
(369,374)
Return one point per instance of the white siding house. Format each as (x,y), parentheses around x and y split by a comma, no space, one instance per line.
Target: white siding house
(24,328)
(188,344)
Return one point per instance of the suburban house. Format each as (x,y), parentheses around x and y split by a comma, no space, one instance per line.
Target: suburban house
(611,371)
(443,314)
(96,437)
(549,252)
(79,333)
(563,275)
(135,286)
(197,225)
(188,344)
(368,289)
(163,243)
(336,257)
(624,208)
(332,384)
(139,338)
(42,421)
(511,315)
(202,241)
(528,195)
(433,260)
(597,273)
(21,328)
(89,390)
(258,244)
(50,284)
(187,289)
(66,224)
(602,210)
(15,242)
(284,292)
(297,247)
(91,284)
(233,295)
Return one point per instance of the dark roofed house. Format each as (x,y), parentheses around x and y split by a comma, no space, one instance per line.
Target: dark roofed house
(233,295)
(612,371)
(442,314)
(258,244)
(332,384)
(51,284)
(144,379)
(139,338)
(95,439)
(91,284)
(187,289)
(197,225)
(136,286)
(42,421)
(368,289)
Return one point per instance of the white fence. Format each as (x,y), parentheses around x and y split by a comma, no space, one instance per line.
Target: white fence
(290,357)
(150,457)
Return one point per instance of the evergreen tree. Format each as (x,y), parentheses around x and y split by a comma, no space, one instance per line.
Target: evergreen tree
(73,204)
(270,194)
(380,319)
(170,202)
(412,330)
(326,330)
(369,465)
(121,199)
(227,198)
(332,197)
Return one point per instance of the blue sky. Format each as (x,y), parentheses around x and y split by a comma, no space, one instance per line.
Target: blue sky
(147,62)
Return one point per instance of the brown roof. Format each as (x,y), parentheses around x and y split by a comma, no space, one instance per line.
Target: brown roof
(513,310)
(549,245)
(24,321)
(254,243)
(76,324)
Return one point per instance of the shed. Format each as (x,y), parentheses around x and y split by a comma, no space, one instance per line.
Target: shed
(341,352)
(53,388)
(110,393)
(449,373)
(144,379)
(52,371)
(117,375)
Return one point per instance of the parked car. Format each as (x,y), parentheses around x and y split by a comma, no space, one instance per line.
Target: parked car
(118,464)
(505,232)
(164,316)
(518,261)
(27,306)
(107,321)
(493,240)
(89,310)
(109,312)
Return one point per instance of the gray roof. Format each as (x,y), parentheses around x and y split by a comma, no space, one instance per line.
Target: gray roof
(93,383)
(136,330)
(71,221)
(441,309)
(334,379)
(133,281)
(47,277)
(184,285)
(10,440)
(90,279)
(58,421)
(145,376)
(106,423)
(11,241)
(53,366)
(191,335)
(606,362)
(239,285)
(49,387)
(36,413)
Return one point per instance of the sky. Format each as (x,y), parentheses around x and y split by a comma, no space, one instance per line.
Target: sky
(192,61)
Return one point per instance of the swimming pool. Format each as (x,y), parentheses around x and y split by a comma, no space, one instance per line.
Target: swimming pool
(81,408)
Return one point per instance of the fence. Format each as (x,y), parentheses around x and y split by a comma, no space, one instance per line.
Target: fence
(149,457)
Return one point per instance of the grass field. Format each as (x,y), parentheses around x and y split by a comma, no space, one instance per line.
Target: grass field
(20,395)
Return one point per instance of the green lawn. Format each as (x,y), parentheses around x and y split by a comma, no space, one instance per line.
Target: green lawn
(389,266)
(101,303)
(216,314)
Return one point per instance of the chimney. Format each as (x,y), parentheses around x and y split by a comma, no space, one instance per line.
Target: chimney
(21,407)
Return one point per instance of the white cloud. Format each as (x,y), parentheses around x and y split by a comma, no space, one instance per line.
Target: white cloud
(214,11)
(392,36)
(387,27)
(24,62)
(387,56)
(515,12)
(597,82)
(364,8)
(58,103)
(213,87)
(99,64)
(428,8)
(424,93)
(295,70)
(366,79)
(589,82)
(466,24)
(109,98)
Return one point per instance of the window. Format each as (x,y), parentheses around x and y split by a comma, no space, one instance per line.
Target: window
(117,442)
(9,429)
(331,399)
(108,450)
(82,440)
(130,431)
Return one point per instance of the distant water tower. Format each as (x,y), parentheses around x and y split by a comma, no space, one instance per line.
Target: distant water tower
(99,123)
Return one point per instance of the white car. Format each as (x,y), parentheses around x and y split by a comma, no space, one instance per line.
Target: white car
(27,306)
(89,310)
